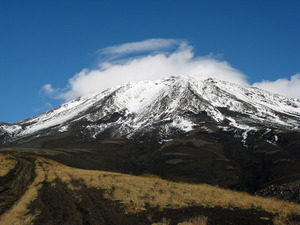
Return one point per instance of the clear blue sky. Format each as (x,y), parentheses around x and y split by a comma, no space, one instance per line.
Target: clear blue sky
(49,41)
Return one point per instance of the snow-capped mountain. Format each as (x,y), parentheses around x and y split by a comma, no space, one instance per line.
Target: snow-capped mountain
(188,128)
(177,104)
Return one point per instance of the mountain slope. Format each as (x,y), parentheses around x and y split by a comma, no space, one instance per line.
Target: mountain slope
(177,104)
(183,128)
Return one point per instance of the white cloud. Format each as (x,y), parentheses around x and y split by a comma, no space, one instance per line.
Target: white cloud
(142,46)
(47,90)
(287,87)
(175,58)
(164,58)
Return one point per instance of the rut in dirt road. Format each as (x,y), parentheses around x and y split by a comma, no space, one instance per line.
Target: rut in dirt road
(59,205)
(16,182)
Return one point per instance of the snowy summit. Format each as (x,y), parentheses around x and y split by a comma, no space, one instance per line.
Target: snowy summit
(176,104)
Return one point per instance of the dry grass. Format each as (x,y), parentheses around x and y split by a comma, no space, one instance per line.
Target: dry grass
(157,192)
(135,192)
(18,214)
(280,220)
(163,222)
(199,220)
(7,163)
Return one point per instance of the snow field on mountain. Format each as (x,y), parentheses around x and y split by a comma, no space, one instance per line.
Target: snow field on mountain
(143,105)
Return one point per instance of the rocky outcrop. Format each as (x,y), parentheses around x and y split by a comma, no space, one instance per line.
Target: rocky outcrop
(284,192)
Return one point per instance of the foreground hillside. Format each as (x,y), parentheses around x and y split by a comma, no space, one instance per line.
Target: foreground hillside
(36,190)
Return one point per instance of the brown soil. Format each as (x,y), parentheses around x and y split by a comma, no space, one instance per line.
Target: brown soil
(15,183)
(57,204)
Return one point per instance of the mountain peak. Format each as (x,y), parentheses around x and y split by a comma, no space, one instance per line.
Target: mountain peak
(175,104)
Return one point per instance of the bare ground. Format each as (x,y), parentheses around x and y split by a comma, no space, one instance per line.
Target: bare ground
(15,183)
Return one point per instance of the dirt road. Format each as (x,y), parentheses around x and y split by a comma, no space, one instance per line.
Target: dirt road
(16,182)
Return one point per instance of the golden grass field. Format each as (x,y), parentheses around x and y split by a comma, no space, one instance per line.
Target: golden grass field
(6,164)
(137,191)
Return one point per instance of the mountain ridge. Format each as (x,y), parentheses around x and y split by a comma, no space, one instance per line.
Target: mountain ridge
(176,103)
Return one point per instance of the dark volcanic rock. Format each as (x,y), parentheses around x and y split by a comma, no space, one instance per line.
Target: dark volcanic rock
(284,192)
(217,158)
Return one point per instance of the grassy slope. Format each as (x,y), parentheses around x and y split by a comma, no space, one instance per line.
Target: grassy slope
(6,164)
(137,192)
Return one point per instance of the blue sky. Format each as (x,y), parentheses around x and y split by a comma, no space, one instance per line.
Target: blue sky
(44,44)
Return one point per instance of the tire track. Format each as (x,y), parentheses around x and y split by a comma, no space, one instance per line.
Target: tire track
(16,182)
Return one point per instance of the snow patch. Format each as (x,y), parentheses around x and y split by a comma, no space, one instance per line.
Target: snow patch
(11,129)
(63,128)
(183,124)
